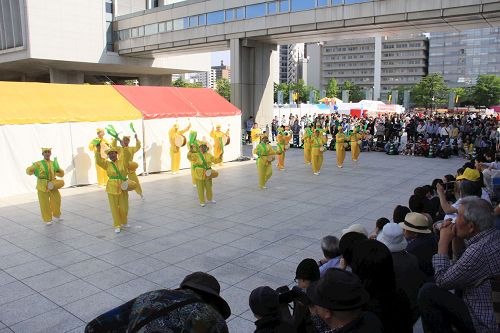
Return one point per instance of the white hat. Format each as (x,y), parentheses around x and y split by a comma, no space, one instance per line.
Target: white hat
(355,228)
(392,236)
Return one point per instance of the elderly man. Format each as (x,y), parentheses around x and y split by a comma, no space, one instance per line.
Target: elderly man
(330,248)
(476,248)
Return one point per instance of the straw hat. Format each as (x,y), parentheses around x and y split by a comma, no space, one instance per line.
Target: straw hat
(416,222)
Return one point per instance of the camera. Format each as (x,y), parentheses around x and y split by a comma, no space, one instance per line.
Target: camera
(287,295)
(449,186)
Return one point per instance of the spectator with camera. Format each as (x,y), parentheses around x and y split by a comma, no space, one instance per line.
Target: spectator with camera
(476,259)
(265,305)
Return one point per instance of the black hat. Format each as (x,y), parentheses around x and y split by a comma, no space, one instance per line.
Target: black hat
(307,270)
(264,301)
(209,287)
(338,290)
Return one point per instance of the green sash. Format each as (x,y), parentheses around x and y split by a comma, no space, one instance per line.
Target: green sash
(119,177)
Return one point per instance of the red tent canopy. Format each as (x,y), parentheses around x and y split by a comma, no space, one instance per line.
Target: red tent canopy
(172,102)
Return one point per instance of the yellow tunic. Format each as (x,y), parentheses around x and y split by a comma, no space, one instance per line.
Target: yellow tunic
(127,153)
(355,149)
(316,154)
(49,200)
(339,147)
(218,144)
(264,167)
(306,139)
(200,165)
(118,199)
(175,152)
(255,134)
(282,141)
(102,177)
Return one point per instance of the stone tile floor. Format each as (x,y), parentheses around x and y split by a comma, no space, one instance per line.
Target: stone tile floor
(57,278)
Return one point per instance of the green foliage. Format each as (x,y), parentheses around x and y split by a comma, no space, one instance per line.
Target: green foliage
(284,88)
(430,92)
(332,88)
(223,88)
(486,92)
(356,94)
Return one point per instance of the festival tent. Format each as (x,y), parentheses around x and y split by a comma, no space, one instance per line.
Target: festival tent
(162,107)
(63,117)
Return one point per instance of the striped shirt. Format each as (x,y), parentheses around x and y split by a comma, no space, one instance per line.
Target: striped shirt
(472,273)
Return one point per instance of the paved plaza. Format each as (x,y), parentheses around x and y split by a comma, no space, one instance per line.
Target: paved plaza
(57,278)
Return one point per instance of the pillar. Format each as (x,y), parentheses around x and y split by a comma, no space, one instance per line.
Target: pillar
(377,72)
(70,77)
(251,80)
(155,80)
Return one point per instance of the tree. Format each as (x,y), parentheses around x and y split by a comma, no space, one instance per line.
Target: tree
(180,83)
(281,87)
(430,92)
(355,92)
(332,88)
(463,96)
(486,92)
(223,88)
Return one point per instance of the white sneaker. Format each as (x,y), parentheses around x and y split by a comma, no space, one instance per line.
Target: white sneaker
(48,223)
(212,202)
(339,166)
(142,196)
(57,219)
(202,205)
(264,187)
(117,230)
(316,173)
(126,226)
(194,185)
(319,172)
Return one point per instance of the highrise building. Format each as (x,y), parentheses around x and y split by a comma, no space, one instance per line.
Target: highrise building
(462,56)
(222,71)
(291,60)
(378,64)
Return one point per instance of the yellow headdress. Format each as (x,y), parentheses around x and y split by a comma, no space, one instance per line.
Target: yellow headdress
(109,150)
(46,149)
(217,126)
(126,137)
(99,130)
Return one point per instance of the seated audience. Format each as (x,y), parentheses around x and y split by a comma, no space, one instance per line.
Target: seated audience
(355,228)
(264,303)
(196,304)
(476,259)
(339,298)
(346,246)
(399,213)
(331,253)
(378,227)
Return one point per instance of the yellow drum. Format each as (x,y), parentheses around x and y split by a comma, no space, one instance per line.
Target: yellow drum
(128,185)
(132,166)
(180,140)
(55,184)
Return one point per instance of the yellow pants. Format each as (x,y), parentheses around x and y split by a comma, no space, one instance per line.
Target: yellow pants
(340,153)
(175,159)
(265,172)
(50,204)
(102,176)
(133,176)
(281,160)
(317,162)
(354,151)
(119,208)
(204,186)
(307,155)
(193,180)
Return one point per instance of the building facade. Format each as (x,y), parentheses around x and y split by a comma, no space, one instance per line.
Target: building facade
(49,41)
(291,60)
(462,56)
(378,64)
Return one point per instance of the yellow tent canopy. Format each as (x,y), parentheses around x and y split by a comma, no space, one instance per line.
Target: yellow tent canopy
(31,103)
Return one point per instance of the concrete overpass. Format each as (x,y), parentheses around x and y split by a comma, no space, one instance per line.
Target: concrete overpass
(251,29)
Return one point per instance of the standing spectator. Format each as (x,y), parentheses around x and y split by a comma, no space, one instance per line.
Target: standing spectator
(331,252)
(338,299)
(249,126)
(421,128)
(296,133)
(476,250)
(274,127)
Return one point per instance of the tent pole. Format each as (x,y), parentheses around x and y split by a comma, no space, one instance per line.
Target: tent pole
(144,148)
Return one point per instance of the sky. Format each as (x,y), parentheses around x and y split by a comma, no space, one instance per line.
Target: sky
(220,55)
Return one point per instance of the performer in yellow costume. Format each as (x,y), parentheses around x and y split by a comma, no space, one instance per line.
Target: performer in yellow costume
(306,139)
(202,161)
(317,144)
(193,145)
(102,177)
(282,140)
(255,134)
(265,155)
(175,152)
(339,147)
(117,170)
(355,138)
(217,135)
(48,186)
(128,153)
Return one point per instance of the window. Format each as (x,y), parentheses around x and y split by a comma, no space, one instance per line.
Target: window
(124,34)
(179,24)
(240,13)
(137,32)
(229,14)
(215,17)
(298,5)
(272,8)
(193,21)
(169,26)
(323,3)
(151,29)
(202,19)
(256,10)
(284,6)
(162,27)
(109,7)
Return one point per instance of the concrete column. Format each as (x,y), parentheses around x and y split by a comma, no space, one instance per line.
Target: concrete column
(314,66)
(155,80)
(251,79)
(377,72)
(69,77)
